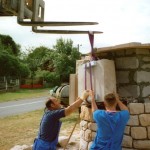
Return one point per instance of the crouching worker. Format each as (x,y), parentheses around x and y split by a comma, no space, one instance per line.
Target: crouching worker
(50,124)
(110,123)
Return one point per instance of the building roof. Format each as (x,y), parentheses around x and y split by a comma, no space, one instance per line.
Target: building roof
(124,46)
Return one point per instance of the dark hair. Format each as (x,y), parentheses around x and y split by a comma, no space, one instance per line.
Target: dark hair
(48,104)
(110,99)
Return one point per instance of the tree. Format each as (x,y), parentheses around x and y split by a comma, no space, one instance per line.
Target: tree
(10,64)
(54,65)
(8,43)
(39,57)
(65,57)
(38,61)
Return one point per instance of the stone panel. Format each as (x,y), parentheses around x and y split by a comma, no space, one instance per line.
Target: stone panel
(78,63)
(142,76)
(148,130)
(138,133)
(88,135)
(130,51)
(122,76)
(127,141)
(145,119)
(82,134)
(127,130)
(92,126)
(129,91)
(146,91)
(84,125)
(147,100)
(146,59)
(104,55)
(120,53)
(93,135)
(142,51)
(136,108)
(103,78)
(86,114)
(133,121)
(141,144)
(147,107)
(145,66)
(127,63)
(83,144)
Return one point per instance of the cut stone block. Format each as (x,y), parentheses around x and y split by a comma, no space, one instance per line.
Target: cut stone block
(145,119)
(127,141)
(103,78)
(136,108)
(138,133)
(133,121)
(141,144)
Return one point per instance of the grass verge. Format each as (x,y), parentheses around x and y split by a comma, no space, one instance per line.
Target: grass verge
(22,129)
(23,94)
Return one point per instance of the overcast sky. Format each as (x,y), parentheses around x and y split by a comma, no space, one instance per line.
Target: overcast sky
(122,21)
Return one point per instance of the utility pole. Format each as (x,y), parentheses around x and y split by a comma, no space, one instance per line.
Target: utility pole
(78,46)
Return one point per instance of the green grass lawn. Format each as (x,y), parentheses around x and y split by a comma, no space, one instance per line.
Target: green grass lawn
(23,93)
(22,129)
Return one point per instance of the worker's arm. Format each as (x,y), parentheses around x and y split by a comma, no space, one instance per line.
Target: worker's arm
(76,104)
(93,103)
(120,104)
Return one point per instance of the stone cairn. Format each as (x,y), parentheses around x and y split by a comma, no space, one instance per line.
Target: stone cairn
(136,134)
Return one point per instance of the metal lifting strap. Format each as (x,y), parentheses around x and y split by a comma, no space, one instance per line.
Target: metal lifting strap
(85,78)
(90,76)
(91,38)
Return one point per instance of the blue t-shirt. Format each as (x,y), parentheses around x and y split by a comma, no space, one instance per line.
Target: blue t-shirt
(50,124)
(106,123)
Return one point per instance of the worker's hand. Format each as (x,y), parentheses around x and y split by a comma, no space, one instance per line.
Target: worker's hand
(92,94)
(84,95)
(116,96)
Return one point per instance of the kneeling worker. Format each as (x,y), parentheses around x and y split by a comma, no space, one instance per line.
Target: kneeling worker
(50,123)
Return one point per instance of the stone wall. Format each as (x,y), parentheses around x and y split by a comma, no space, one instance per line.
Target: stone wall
(132,64)
(132,72)
(136,134)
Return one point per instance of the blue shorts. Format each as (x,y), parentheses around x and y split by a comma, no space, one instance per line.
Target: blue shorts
(40,144)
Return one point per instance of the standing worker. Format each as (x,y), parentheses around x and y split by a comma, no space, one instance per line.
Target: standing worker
(110,123)
(50,124)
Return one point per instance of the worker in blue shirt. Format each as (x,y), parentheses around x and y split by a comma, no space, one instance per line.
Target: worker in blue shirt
(50,124)
(110,123)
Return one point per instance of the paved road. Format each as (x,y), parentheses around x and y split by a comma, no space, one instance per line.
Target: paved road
(21,106)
